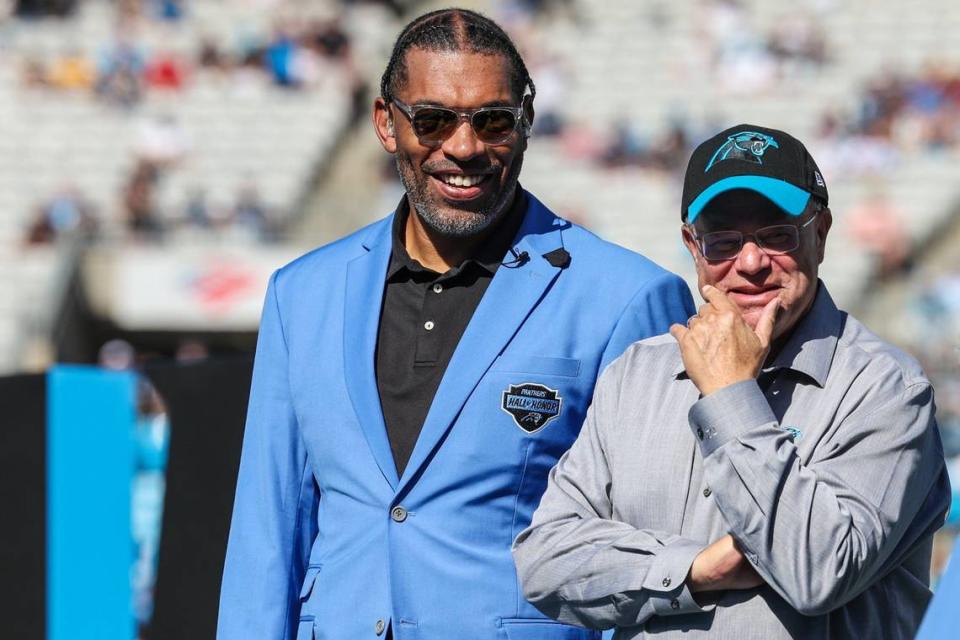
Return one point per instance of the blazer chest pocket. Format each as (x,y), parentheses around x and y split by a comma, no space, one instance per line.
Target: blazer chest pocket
(539,629)
(542,365)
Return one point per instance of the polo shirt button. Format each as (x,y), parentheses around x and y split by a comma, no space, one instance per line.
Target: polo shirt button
(398,514)
(437,288)
(380,626)
(667,582)
(428,325)
(700,433)
(674,604)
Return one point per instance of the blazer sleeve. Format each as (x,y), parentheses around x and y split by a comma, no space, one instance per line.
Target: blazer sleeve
(580,566)
(274,513)
(662,301)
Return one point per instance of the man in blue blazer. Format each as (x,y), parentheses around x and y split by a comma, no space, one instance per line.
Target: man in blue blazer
(415,381)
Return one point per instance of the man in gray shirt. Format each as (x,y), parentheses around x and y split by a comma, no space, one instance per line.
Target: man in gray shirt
(771,470)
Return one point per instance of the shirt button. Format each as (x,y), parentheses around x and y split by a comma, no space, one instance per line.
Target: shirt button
(399,514)
(666,582)
(437,288)
(674,604)
(707,492)
(700,433)
(428,325)
(380,626)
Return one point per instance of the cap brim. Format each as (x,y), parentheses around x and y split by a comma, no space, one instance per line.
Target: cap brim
(788,197)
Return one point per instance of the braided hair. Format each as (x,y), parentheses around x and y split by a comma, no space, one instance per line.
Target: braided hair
(454,30)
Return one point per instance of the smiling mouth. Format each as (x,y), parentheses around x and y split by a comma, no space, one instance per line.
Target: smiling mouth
(461,180)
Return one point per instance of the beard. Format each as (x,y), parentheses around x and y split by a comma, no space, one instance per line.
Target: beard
(447,220)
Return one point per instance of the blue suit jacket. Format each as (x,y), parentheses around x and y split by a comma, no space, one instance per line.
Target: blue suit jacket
(318,548)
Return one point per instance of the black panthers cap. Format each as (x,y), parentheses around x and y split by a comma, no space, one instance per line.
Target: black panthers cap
(770,162)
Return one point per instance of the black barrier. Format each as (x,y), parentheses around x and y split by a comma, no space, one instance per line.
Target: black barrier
(206,405)
(23,505)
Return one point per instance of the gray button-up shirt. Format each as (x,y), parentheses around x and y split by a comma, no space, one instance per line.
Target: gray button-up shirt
(828,469)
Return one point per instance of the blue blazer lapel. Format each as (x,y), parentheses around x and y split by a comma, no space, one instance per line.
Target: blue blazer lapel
(513,293)
(366,276)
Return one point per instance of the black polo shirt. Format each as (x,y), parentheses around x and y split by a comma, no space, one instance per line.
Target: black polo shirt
(424,314)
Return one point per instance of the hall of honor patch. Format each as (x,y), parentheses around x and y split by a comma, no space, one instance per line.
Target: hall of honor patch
(531,405)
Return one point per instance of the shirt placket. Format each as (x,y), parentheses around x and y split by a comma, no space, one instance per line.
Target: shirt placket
(430,331)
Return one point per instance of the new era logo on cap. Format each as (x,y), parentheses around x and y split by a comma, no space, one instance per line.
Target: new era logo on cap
(768,161)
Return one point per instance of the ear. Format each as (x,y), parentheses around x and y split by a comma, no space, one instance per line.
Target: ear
(383,125)
(528,114)
(690,242)
(824,222)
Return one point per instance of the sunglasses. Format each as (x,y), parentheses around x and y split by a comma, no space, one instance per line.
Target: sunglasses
(776,240)
(433,125)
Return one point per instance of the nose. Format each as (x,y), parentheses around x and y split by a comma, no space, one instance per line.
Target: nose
(463,143)
(752,259)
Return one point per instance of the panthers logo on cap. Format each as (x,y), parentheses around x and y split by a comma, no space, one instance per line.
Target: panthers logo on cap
(746,145)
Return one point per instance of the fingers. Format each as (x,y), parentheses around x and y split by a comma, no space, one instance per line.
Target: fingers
(768,318)
(679,332)
(718,299)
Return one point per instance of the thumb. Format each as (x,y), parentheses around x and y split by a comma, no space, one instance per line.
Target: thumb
(768,318)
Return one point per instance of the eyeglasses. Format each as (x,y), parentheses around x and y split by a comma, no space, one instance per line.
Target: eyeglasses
(433,125)
(774,241)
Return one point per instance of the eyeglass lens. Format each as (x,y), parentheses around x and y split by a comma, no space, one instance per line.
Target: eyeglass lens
(723,245)
(435,124)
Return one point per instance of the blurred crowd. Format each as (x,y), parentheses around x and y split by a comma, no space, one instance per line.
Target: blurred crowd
(296,55)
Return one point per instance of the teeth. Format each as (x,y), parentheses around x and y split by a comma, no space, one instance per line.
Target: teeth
(461,181)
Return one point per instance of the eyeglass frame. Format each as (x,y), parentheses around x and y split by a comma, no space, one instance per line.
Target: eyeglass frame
(465,115)
(799,227)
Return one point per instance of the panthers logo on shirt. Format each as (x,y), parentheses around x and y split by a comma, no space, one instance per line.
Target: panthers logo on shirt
(531,405)
(746,145)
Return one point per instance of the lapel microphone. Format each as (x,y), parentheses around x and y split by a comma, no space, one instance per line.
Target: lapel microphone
(519,259)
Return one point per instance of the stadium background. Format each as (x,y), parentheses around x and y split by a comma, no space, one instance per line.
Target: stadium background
(159,158)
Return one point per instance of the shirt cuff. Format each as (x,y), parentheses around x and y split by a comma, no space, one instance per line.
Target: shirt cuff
(728,412)
(665,583)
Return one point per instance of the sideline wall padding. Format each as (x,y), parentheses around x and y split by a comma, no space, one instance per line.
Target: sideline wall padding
(207,406)
(90,463)
(23,484)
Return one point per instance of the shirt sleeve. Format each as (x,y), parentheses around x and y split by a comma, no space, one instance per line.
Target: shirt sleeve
(663,301)
(821,533)
(578,565)
(274,513)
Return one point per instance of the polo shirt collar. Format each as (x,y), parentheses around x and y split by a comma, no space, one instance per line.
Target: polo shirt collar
(489,255)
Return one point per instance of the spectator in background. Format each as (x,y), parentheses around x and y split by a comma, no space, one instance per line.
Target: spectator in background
(165,71)
(280,58)
(72,71)
(120,74)
(877,225)
(138,200)
(67,213)
(249,212)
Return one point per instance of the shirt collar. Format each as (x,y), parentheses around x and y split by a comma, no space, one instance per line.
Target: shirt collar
(488,256)
(810,347)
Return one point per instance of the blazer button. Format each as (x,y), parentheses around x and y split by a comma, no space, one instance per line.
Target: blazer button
(707,492)
(399,514)
(380,626)
(674,604)
(666,582)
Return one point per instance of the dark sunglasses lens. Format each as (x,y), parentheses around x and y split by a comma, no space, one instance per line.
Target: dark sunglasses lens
(494,125)
(433,125)
(721,245)
(779,239)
